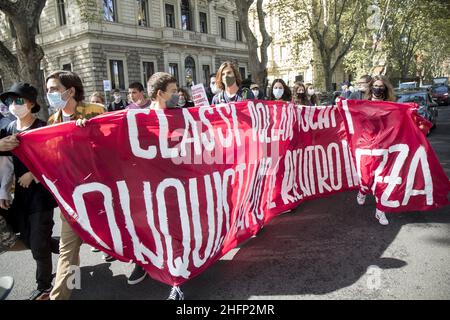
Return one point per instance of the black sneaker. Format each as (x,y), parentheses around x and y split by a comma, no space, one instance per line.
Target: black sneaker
(40,294)
(137,275)
(176,294)
(94,249)
(108,258)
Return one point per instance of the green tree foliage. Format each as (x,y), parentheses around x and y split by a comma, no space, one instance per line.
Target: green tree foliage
(407,39)
(332,25)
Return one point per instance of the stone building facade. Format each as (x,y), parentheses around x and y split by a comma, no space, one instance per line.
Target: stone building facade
(124,41)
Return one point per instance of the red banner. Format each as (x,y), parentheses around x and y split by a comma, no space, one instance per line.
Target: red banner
(174,190)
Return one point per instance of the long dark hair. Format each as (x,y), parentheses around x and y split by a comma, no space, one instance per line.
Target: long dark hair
(304,100)
(287,94)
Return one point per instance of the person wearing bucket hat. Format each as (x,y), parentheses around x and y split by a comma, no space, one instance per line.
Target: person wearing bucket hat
(17,93)
(31,212)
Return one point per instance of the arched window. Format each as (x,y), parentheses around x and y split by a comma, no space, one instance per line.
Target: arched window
(189,65)
(186,23)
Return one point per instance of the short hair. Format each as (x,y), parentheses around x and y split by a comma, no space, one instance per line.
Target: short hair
(69,80)
(237,75)
(98,95)
(136,85)
(212,75)
(159,81)
(116,91)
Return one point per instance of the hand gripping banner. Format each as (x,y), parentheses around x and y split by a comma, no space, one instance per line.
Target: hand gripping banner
(174,190)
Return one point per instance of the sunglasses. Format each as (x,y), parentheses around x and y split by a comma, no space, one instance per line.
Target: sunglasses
(18,101)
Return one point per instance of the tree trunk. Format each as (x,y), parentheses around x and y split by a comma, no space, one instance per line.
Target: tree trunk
(258,67)
(328,74)
(25,65)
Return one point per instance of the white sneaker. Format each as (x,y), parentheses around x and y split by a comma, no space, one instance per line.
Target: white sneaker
(381,217)
(361,198)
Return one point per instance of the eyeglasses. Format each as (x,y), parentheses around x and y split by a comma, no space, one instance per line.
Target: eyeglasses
(18,101)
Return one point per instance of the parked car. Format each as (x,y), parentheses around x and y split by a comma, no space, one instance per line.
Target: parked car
(441,95)
(407,85)
(427,106)
(439,81)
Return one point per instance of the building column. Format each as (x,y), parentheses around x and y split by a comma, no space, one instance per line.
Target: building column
(178,15)
(195,17)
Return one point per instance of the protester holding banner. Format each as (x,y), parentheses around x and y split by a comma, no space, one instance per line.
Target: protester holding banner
(162,90)
(137,96)
(380,89)
(228,81)
(8,239)
(279,91)
(71,107)
(185,100)
(31,211)
(363,89)
(65,93)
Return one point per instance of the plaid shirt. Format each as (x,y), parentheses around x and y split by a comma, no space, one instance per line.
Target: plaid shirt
(82,111)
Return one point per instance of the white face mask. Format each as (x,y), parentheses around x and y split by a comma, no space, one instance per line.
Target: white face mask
(255,93)
(56,101)
(278,93)
(212,85)
(181,101)
(311,92)
(19,110)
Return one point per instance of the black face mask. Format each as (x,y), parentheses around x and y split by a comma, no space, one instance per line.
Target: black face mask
(301,95)
(378,92)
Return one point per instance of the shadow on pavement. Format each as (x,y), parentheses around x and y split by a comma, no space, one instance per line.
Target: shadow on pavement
(99,283)
(326,245)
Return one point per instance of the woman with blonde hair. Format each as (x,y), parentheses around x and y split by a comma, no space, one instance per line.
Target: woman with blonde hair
(98,98)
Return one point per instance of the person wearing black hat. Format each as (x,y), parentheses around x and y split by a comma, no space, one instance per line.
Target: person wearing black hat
(31,212)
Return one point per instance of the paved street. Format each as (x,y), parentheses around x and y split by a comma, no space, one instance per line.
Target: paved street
(329,248)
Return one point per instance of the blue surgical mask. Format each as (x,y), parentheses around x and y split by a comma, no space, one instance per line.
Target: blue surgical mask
(278,93)
(56,101)
(173,102)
